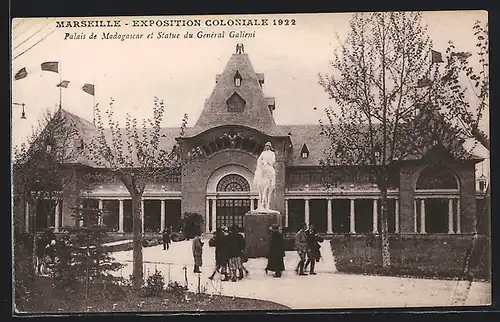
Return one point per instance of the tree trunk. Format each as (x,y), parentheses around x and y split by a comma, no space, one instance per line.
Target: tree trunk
(386,255)
(137,241)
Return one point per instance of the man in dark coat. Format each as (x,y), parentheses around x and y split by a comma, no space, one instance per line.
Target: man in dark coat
(313,246)
(221,256)
(276,252)
(166,237)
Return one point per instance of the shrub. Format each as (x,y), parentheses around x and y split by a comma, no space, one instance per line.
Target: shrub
(24,272)
(178,236)
(177,290)
(191,224)
(155,285)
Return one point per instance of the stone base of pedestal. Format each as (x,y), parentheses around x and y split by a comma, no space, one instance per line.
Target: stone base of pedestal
(257,231)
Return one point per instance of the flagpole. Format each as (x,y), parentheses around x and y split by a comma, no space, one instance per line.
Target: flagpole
(93,103)
(60,87)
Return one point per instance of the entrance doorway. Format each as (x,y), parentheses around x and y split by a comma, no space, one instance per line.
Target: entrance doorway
(231,212)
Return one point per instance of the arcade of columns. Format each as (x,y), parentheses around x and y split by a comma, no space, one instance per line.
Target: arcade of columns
(211,208)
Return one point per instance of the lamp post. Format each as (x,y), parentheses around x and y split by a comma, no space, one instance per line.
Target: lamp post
(23,113)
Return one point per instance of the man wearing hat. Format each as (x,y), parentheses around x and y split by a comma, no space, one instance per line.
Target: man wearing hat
(265,176)
(276,252)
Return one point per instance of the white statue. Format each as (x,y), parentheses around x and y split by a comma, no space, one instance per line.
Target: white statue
(265,176)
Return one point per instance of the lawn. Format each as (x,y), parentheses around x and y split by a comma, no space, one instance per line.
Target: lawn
(46,299)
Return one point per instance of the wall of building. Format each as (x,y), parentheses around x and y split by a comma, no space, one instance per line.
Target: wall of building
(465,173)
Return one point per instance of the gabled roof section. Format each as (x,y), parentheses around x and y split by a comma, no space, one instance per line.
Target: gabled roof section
(256,113)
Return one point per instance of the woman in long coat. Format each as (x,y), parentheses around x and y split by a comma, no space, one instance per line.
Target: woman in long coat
(221,256)
(276,252)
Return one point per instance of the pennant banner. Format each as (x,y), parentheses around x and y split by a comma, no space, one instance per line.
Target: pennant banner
(87,88)
(424,82)
(436,57)
(22,73)
(49,66)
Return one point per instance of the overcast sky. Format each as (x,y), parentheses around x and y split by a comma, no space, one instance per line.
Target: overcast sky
(182,71)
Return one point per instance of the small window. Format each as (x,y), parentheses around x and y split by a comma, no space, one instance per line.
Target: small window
(237,79)
(304,152)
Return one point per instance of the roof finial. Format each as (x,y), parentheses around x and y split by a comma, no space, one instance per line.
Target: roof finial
(239,49)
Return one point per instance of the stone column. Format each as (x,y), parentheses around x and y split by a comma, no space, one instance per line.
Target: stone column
(27,216)
(450,216)
(162,214)
(56,215)
(214,214)
(329,218)
(422,216)
(120,216)
(306,211)
(207,215)
(396,216)
(352,219)
(142,215)
(415,226)
(286,212)
(375,216)
(459,219)
(101,219)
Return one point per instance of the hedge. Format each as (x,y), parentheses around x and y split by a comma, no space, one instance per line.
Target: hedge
(436,256)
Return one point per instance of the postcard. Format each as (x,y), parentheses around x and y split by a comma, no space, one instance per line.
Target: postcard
(250,162)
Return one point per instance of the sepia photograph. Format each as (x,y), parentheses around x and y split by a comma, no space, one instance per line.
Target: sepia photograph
(266,162)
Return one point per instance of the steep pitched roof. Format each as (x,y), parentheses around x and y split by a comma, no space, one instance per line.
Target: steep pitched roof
(256,112)
(309,134)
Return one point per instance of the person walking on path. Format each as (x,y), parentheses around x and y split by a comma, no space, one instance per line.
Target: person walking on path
(197,251)
(276,252)
(235,249)
(221,256)
(301,248)
(166,238)
(313,246)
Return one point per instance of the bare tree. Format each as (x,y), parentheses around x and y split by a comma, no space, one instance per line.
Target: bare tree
(135,156)
(465,103)
(468,84)
(384,116)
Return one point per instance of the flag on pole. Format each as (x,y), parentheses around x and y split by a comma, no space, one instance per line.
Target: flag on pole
(22,73)
(88,88)
(461,55)
(436,57)
(64,84)
(51,66)
(424,82)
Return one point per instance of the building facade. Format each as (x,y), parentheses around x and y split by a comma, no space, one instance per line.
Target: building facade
(433,194)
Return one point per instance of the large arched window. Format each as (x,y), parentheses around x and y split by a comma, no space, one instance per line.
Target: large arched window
(437,211)
(233,182)
(436,178)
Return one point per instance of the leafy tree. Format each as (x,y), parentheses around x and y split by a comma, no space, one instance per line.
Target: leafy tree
(385,115)
(135,156)
(43,165)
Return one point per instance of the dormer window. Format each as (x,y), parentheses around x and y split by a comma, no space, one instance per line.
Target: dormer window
(304,153)
(237,79)
(235,103)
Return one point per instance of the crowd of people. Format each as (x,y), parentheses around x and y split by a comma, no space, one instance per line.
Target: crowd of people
(230,254)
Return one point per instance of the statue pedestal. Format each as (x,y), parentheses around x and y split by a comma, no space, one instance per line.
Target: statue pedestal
(257,232)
